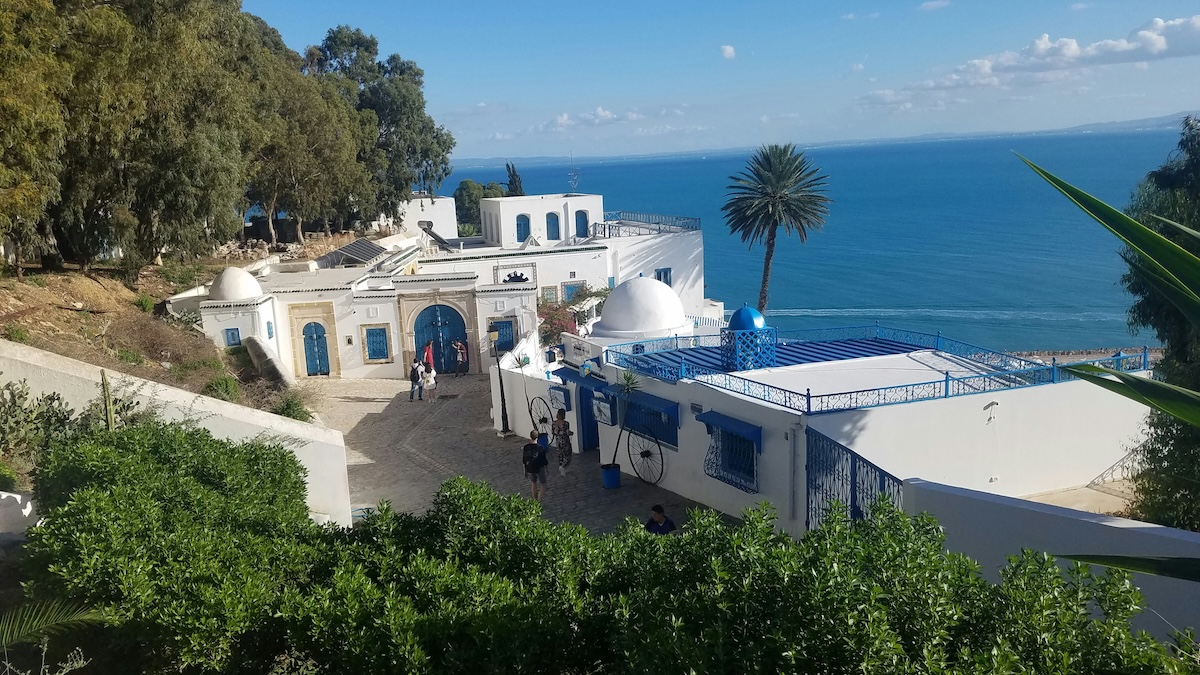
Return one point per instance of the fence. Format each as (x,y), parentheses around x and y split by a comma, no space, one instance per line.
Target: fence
(1011,372)
(836,475)
(631,223)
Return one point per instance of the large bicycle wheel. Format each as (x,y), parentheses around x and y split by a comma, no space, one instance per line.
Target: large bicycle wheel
(539,415)
(645,454)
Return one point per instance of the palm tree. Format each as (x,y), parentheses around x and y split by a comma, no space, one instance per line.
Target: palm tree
(780,187)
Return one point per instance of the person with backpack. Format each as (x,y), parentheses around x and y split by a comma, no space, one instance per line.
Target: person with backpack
(533,457)
(416,375)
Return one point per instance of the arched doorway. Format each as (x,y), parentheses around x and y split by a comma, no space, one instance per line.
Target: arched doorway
(581,224)
(442,324)
(316,349)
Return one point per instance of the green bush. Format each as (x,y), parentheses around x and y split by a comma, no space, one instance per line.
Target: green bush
(8,478)
(15,332)
(224,387)
(180,275)
(291,405)
(130,356)
(144,302)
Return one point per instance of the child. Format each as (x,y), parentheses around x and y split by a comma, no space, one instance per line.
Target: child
(430,381)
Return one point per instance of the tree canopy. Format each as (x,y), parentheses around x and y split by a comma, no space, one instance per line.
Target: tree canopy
(515,189)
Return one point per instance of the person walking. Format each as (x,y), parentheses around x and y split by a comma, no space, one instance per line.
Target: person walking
(460,357)
(430,378)
(561,431)
(427,355)
(659,523)
(416,375)
(533,458)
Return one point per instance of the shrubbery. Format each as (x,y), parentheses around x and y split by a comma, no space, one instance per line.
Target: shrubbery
(202,552)
(291,404)
(224,387)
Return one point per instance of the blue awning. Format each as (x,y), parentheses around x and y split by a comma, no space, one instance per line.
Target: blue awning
(746,430)
(568,374)
(665,406)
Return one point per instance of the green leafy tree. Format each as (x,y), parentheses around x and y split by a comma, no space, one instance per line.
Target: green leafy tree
(466,202)
(780,188)
(514,187)
(32,79)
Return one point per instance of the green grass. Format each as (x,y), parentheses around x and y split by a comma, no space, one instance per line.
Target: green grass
(181,275)
(130,356)
(8,478)
(224,387)
(17,333)
(38,281)
(292,405)
(212,364)
(144,302)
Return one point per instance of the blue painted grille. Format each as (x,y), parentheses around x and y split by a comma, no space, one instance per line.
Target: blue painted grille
(660,423)
(732,459)
(836,475)
(377,344)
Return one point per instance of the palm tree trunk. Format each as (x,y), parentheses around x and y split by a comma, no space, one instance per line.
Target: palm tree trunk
(768,255)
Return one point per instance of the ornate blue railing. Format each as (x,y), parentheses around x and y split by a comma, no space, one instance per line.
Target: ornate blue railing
(835,474)
(629,223)
(632,356)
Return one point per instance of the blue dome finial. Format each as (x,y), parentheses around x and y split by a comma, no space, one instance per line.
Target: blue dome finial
(747,318)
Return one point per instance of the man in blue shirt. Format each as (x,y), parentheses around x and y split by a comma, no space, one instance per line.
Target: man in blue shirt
(659,523)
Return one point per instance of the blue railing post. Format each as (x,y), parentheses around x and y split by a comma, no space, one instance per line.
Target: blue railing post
(947,392)
(1145,357)
(876,329)
(938,343)
(682,366)
(1054,369)
(808,401)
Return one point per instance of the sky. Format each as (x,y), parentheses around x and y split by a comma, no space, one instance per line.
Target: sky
(524,79)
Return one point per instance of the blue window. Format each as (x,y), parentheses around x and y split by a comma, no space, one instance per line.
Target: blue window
(571,290)
(581,224)
(733,450)
(638,416)
(270,330)
(612,282)
(522,227)
(663,274)
(506,339)
(233,337)
(377,344)
(552,230)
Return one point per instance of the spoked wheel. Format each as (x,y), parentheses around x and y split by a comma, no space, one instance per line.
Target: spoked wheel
(539,415)
(645,454)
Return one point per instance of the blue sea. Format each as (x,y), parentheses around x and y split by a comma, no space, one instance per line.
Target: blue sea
(957,236)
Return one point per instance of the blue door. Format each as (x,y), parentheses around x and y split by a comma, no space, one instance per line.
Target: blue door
(552,231)
(581,224)
(507,339)
(316,349)
(589,430)
(522,228)
(443,325)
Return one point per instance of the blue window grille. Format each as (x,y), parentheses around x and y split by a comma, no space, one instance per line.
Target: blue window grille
(733,450)
(838,475)
(552,230)
(270,330)
(664,427)
(571,290)
(581,224)
(233,337)
(377,344)
(663,274)
(507,335)
(522,227)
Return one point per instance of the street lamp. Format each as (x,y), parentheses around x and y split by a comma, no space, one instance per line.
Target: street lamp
(494,338)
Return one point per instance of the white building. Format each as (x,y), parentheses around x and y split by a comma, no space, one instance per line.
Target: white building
(366,309)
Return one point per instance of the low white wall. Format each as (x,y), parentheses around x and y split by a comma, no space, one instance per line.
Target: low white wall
(321,451)
(1034,440)
(16,514)
(989,528)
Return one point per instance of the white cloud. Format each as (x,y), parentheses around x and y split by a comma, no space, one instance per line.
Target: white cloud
(857,67)
(727,51)
(664,129)
(500,136)
(599,115)
(1079,5)
(632,115)
(934,4)
(852,16)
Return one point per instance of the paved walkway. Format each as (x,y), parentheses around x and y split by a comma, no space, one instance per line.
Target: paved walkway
(402,452)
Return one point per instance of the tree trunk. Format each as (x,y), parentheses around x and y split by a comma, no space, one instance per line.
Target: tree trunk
(51,255)
(271,223)
(299,230)
(327,232)
(768,255)
(17,259)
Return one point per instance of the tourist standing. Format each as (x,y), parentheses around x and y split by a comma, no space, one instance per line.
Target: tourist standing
(460,356)
(416,375)
(430,378)
(659,523)
(533,457)
(561,431)
(427,356)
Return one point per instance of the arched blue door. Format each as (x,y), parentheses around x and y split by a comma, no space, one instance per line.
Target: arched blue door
(316,349)
(443,325)
(522,228)
(581,224)
(552,230)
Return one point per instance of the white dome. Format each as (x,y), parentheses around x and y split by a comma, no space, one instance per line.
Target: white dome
(233,284)
(642,308)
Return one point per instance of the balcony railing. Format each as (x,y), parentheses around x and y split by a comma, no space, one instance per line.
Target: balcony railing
(636,223)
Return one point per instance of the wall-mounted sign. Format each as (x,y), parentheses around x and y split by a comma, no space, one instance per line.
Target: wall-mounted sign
(602,410)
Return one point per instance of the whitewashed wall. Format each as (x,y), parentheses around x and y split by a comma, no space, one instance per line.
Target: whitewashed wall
(322,451)
(989,528)
(1035,440)
(350,320)
(683,252)
(438,210)
(781,473)
(554,267)
(500,214)
(17,514)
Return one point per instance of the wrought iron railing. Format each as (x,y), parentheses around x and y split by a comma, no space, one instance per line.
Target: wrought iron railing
(632,223)
(835,474)
(633,356)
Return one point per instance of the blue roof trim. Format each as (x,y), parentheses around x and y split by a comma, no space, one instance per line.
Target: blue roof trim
(568,374)
(746,430)
(665,406)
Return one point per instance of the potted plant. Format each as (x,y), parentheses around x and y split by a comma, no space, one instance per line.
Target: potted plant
(610,473)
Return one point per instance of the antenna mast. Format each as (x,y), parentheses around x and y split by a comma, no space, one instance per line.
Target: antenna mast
(573,176)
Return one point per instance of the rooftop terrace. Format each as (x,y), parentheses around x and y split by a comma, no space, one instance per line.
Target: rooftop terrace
(636,223)
(828,370)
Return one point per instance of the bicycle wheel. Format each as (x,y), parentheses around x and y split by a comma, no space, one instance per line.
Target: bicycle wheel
(645,454)
(539,415)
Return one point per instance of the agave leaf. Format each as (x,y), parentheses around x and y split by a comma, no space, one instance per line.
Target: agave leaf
(33,621)
(1185,303)
(1178,402)
(1169,260)
(1187,569)
(1182,228)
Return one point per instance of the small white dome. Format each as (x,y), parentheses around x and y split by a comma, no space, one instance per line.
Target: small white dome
(642,308)
(233,284)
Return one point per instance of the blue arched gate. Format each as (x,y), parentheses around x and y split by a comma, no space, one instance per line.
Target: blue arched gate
(443,325)
(316,349)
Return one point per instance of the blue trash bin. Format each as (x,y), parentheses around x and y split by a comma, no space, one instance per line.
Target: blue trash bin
(610,475)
